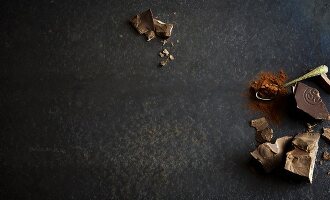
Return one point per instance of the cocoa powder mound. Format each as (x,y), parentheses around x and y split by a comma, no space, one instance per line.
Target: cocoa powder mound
(269,85)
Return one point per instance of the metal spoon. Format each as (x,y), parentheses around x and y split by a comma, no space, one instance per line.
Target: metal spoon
(323,69)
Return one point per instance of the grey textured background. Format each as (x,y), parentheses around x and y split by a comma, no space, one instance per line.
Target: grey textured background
(86,113)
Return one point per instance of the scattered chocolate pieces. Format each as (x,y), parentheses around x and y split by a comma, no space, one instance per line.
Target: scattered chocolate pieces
(270,155)
(309,101)
(263,132)
(301,160)
(162,29)
(326,156)
(326,134)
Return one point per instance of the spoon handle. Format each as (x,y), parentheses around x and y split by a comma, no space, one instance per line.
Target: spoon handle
(315,72)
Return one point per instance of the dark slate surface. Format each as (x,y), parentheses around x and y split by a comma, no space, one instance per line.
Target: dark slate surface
(87,114)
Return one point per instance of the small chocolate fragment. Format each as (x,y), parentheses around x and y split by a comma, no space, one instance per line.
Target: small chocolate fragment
(308,100)
(263,132)
(171,57)
(324,81)
(165,52)
(162,29)
(270,156)
(143,22)
(301,160)
(326,134)
(265,135)
(161,54)
(163,63)
(259,124)
(326,156)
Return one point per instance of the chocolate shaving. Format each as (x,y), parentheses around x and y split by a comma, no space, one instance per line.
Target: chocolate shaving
(326,156)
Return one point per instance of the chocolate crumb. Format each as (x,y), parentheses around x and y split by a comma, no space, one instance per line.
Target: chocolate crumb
(259,124)
(164,42)
(165,51)
(326,134)
(326,156)
(171,57)
(161,54)
(163,63)
(172,44)
(328,173)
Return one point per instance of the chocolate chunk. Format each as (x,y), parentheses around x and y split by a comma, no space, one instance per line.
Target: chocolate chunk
(309,101)
(259,124)
(324,81)
(265,135)
(306,141)
(326,156)
(162,29)
(270,155)
(143,22)
(263,132)
(326,134)
(301,160)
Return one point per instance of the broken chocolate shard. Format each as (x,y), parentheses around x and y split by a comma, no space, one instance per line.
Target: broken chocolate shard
(162,29)
(326,134)
(265,135)
(301,160)
(263,132)
(143,22)
(306,141)
(326,156)
(324,81)
(270,156)
(259,124)
(309,101)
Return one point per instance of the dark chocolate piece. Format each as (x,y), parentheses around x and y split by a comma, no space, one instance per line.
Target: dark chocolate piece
(324,81)
(263,132)
(270,155)
(143,22)
(326,134)
(259,124)
(326,156)
(309,101)
(301,160)
(162,29)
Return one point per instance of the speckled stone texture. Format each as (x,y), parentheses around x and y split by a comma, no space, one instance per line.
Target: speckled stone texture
(85,112)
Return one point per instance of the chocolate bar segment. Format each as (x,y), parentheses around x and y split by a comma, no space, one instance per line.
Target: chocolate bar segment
(143,22)
(301,160)
(308,100)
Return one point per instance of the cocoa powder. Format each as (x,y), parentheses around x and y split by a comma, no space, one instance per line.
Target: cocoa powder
(269,85)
